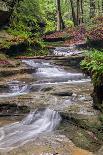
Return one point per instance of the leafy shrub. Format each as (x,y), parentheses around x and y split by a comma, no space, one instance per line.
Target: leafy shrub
(26,18)
(93,64)
(26,25)
(69,23)
(50,26)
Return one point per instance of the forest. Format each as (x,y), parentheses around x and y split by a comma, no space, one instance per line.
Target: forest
(51,66)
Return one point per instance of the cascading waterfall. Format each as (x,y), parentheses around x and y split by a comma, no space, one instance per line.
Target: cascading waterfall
(15,89)
(46,72)
(37,122)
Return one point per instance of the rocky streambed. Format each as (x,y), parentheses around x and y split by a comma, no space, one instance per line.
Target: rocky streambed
(48,111)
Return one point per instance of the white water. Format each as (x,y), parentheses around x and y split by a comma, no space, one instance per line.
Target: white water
(53,73)
(66,51)
(15,89)
(32,63)
(30,128)
(68,82)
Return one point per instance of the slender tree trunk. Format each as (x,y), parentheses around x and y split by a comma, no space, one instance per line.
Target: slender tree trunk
(60,23)
(73,13)
(92,8)
(82,12)
(78,12)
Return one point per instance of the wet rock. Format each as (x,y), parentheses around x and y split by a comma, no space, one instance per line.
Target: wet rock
(4,88)
(73,61)
(80,136)
(46,89)
(13,71)
(85,121)
(63,94)
(50,144)
(35,88)
(12,110)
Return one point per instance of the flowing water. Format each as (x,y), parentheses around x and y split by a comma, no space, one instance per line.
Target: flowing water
(37,122)
(14,88)
(45,74)
(40,121)
(49,73)
(66,51)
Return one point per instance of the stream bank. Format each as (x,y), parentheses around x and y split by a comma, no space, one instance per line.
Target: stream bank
(65,90)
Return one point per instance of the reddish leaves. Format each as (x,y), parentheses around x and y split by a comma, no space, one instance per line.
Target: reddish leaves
(96,33)
(70,36)
(56,36)
(78,36)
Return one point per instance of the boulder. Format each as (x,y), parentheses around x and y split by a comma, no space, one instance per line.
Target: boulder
(6,7)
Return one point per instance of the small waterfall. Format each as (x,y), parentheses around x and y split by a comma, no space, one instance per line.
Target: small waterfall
(30,63)
(66,51)
(49,73)
(37,122)
(15,88)
(56,73)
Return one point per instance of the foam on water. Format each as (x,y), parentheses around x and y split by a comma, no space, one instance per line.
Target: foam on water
(15,89)
(66,51)
(34,64)
(37,122)
(53,72)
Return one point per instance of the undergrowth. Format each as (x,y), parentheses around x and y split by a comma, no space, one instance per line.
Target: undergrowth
(93,64)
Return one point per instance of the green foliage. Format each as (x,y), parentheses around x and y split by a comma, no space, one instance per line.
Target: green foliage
(93,63)
(27,25)
(69,23)
(48,11)
(3,56)
(20,33)
(50,26)
(26,18)
(33,52)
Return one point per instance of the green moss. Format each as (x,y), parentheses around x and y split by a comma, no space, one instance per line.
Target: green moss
(3,56)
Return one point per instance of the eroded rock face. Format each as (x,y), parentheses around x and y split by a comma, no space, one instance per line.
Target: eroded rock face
(6,7)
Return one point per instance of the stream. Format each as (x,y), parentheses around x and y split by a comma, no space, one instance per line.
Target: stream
(35,123)
(42,120)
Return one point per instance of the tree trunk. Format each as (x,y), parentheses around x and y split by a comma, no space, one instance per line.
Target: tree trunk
(60,23)
(82,20)
(73,13)
(78,12)
(92,8)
